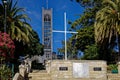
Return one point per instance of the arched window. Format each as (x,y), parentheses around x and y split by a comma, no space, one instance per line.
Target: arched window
(47,17)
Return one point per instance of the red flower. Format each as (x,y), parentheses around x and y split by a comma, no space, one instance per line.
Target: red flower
(7,46)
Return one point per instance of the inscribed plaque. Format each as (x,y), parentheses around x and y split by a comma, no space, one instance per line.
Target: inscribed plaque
(63,68)
(80,70)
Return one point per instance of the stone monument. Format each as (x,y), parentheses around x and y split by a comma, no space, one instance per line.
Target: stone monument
(77,69)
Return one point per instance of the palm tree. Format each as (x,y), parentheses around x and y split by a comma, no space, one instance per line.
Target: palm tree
(17,27)
(107,25)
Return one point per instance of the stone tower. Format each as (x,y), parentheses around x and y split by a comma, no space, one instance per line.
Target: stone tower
(47,33)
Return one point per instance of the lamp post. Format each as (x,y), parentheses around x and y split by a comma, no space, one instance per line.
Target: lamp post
(5,14)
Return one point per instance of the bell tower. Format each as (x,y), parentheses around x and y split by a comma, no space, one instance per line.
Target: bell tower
(47,32)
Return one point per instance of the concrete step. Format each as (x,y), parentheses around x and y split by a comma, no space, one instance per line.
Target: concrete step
(40,78)
(43,71)
(39,75)
(113,76)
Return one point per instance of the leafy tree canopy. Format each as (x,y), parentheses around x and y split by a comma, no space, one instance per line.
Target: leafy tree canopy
(91,52)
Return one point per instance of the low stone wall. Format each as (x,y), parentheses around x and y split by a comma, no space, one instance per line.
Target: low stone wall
(77,69)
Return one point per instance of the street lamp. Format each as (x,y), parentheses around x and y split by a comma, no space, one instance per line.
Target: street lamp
(5,14)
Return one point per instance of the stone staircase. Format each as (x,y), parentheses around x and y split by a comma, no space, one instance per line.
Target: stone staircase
(113,76)
(39,75)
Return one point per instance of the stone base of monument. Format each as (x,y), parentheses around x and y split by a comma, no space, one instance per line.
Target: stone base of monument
(77,69)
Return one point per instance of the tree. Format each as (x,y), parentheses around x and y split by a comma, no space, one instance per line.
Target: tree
(85,37)
(84,27)
(107,22)
(19,30)
(88,17)
(106,35)
(35,47)
(26,40)
(107,25)
(85,24)
(91,52)
(71,49)
(17,27)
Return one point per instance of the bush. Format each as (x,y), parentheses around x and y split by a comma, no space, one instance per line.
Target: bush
(5,72)
(113,68)
(7,46)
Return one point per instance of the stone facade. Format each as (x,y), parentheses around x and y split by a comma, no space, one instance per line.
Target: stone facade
(77,69)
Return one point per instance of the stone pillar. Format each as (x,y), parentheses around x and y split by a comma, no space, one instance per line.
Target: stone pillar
(118,67)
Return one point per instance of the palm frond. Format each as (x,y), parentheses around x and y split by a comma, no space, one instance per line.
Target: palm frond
(110,3)
(22,16)
(17,10)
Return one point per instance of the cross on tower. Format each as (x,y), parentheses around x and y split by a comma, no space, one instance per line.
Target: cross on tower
(65,32)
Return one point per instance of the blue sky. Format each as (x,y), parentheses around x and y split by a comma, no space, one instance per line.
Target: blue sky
(33,9)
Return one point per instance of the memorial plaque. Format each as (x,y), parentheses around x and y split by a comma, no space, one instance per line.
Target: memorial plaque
(63,68)
(97,69)
(80,70)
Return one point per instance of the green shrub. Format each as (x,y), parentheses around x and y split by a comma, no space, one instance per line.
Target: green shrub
(113,68)
(5,72)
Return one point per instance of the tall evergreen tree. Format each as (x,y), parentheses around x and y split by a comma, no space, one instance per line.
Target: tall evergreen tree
(104,36)
(87,19)
(85,26)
